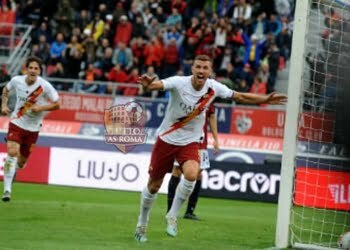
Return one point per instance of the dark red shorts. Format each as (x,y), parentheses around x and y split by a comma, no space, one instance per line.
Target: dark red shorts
(25,138)
(164,155)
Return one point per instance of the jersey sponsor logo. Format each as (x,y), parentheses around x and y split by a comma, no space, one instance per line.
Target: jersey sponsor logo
(30,101)
(199,107)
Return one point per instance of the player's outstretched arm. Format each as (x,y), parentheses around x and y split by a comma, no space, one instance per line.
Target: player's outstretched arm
(4,99)
(149,83)
(250,98)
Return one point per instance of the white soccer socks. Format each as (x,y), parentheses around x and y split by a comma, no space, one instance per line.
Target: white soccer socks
(9,172)
(183,191)
(147,200)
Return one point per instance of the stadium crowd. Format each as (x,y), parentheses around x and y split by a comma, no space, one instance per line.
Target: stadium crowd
(118,40)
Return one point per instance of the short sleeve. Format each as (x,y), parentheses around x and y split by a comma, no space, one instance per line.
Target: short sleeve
(171,82)
(11,84)
(222,90)
(51,93)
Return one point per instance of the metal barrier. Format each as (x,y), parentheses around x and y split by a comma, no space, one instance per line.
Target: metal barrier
(14,45)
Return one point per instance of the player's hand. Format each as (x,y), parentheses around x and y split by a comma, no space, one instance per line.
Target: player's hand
(145,80)
(36,108)
(216,147)
(5,110)
(276,99)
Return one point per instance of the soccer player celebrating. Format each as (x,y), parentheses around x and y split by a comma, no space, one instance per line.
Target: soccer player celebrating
(204,164)
(34,96)
(180,133)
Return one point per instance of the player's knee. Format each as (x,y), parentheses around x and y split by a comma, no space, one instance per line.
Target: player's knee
(13,152)
(190,170)
(154,186)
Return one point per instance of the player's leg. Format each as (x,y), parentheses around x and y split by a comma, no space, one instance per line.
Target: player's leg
(189,158)
(162,161)
(148,196)
(193,199)
(173,182)
(10,166)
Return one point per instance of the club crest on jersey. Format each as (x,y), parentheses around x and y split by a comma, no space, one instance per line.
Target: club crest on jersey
(124,126)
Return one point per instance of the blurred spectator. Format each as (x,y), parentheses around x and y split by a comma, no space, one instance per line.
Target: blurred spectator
(138,47)
(90,46)
(284,43)
(138,27)
(91,74)
(274,61)
(43,50)
(82,19)
(147,17)
(180,5)
(42,30)
(159,15)
(174,18)
(31,12)
(64,18)
(274,25)
(154,53)
(258,86)
(242,86)
(171,59)
(242,14)
(259,26)
(105,63)
(74,57)
(132,78)
(119,11)
(123,55)
(123,31)
(7,19)
(224,6)
(153,29)
(57,48)
(283,7)
(117,75)
(253,51)
(58,72)
(96,26)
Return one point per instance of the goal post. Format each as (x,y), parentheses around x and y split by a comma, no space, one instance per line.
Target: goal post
(291,127)
(314,197)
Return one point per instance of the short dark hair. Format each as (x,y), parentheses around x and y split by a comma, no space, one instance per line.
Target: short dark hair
(203,58)
(34,59)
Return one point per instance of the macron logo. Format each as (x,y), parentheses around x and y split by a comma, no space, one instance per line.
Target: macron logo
(340,193)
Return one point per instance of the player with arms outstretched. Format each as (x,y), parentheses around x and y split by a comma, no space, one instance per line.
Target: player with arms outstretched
(180,133)
(34,96)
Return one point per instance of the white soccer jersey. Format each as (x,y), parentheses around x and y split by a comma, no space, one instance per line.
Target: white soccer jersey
(185,115)
(38,93)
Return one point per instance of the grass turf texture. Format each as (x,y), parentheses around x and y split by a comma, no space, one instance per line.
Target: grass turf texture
(53,217)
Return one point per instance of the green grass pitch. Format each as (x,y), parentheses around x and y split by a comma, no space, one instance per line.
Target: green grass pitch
(42,217)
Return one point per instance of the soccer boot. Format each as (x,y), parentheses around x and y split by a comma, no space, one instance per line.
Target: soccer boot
(171,226)
(140,234)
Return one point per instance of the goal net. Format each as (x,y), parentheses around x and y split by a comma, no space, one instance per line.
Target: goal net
(314,200)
